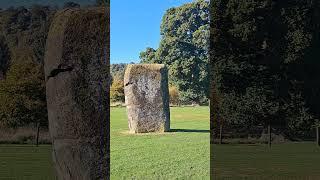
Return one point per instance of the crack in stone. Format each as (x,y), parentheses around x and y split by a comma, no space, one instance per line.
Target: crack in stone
(127,84)
(55,72)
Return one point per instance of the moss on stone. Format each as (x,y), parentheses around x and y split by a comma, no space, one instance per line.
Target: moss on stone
(136,69)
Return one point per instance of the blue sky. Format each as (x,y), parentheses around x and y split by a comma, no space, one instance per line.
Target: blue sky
(135,25)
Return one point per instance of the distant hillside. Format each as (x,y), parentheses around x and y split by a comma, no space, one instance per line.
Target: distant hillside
(16,3)
(23,34)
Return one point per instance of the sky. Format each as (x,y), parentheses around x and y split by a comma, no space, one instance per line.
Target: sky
(135,25)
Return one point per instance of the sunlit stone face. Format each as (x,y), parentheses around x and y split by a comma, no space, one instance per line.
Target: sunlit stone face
(147,98)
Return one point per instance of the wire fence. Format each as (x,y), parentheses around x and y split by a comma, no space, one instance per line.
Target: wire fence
(225,134)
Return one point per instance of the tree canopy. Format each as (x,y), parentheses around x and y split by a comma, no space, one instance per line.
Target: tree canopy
(184,49)
(264,62)
(22,95)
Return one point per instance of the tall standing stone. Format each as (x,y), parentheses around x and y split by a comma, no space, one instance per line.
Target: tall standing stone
(76,70)
(147,98)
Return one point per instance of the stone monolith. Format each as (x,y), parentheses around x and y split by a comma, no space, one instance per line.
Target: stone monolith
(147,98)
(76,69)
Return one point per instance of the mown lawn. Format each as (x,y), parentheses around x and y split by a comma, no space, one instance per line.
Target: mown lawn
(182,154)
(26,162)
(292,161)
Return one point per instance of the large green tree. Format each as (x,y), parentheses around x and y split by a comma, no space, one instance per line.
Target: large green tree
(148,56)
(22,94)
(263,60)
(22,47)
(184,49)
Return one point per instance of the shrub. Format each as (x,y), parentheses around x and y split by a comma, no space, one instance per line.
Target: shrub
(174,95)
(117,91)
(22,95)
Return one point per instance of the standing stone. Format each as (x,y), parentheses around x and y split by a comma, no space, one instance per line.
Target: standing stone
(147,98)
(76,70)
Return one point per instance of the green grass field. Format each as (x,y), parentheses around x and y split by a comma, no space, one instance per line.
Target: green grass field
(182,154)
(297,161)
(25,162)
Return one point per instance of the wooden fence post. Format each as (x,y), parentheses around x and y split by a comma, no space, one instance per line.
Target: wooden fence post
(220,134)
(38,132)
(318,135)
(269,133)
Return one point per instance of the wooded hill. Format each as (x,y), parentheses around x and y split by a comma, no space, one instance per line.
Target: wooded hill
(23,34)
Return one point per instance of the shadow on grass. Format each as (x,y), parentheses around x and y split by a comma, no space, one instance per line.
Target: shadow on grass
(190,130)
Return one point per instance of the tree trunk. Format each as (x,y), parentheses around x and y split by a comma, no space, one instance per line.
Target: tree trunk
(269,134)
(38,132)
(220,134)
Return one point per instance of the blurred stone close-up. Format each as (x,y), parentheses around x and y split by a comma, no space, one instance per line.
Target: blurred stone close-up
(76,71)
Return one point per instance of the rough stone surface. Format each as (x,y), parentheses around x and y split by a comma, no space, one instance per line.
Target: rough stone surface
(147,98)
(77,86)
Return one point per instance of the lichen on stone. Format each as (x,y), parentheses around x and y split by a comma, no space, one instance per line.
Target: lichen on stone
(147,98)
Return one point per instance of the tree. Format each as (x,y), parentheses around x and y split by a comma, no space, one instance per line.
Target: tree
(261,58)
(184,49)
(174,95)
(148,56)
(117,71)
(22,92)
(117,90)
(22,95)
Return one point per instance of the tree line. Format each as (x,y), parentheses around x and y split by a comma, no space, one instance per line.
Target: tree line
(263,68)
(23,33)
(265,65)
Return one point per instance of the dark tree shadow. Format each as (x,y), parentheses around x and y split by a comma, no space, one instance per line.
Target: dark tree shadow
(190,130)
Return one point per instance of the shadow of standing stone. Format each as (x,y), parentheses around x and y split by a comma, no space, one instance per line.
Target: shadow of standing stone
(77,86)
(147,98)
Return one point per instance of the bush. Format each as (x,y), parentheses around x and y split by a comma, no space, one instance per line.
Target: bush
(22,95)
(117,91)
(174,95)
